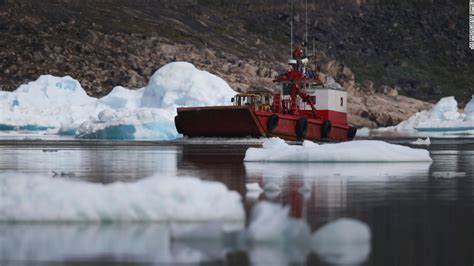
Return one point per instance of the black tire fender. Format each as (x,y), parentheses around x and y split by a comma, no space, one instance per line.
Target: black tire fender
(351,133)
(301,128)
(178,124)
(326,129)
(272,122)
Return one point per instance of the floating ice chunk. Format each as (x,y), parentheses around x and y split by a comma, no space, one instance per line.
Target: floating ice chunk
(425,142)
(344,241)
(354,151)
(444,116)
(159,198)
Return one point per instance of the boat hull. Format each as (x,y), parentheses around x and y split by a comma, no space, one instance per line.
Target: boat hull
(242,121)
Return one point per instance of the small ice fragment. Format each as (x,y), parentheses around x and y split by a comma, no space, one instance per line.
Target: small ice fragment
(420,141)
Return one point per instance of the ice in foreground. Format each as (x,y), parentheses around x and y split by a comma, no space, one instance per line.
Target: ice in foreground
(62,105)
(38,199)
(276,150)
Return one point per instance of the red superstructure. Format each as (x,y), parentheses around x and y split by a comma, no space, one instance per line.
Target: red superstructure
(298,107)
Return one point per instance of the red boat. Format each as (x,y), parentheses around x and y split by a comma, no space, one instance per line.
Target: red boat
(298,107)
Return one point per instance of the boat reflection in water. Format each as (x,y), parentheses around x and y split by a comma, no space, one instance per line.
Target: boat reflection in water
(323,192)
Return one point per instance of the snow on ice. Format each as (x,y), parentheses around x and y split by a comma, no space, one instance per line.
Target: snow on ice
(276,149)
(444,116)
(62,106)
(158,198)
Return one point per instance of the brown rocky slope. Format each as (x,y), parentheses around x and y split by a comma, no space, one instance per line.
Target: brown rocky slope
(107,43)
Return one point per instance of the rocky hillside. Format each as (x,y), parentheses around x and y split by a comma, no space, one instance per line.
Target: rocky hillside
(379,50)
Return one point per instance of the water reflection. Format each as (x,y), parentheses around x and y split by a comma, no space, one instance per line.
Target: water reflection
(309,186)
(96,164)
(138,243)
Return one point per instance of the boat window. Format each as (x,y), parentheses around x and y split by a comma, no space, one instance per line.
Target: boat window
(286,89)
(342,101)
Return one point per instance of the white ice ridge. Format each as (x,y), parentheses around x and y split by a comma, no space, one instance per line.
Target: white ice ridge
(277,150)
(155,199)
(62,105)
(444,116)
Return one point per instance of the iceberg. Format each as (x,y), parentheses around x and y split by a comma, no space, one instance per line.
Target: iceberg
(61,105)
(27,198)
(444,116)
(277,150)
(48,102)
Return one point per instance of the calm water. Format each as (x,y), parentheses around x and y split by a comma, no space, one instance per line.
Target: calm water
(419,213)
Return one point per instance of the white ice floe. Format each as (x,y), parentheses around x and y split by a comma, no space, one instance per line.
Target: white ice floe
(425,142)
(444,116)
(343,242)
(276,149)
(159,198)
(146,113)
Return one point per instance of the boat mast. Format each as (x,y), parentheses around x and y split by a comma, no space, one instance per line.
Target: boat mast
(306,28)
(291,27)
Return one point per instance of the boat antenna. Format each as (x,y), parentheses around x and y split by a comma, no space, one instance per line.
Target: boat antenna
(306,22)
(291,27)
